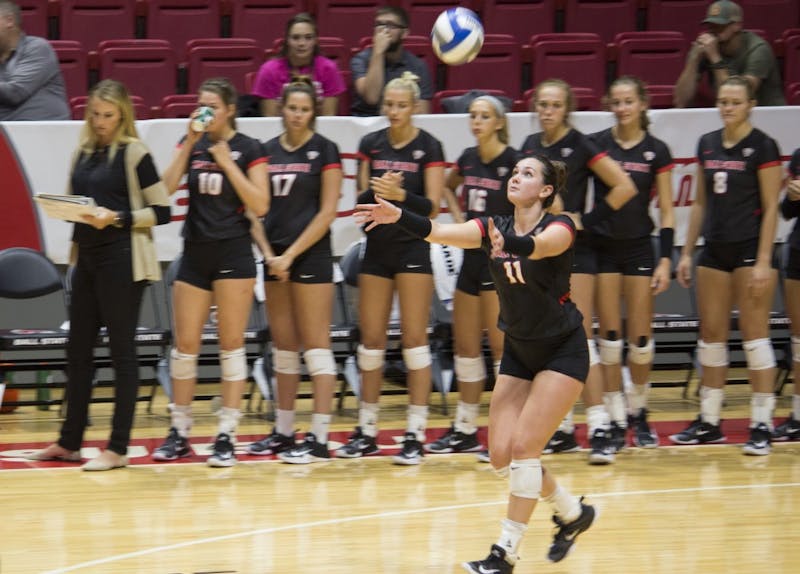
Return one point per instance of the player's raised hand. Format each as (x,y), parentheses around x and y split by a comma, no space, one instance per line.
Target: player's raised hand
(374,214)
(497,239)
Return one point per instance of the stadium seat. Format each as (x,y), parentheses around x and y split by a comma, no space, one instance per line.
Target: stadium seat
(263,19)
(130,61)
(140,108)
(35,15)
(655,57)
(178,105)
(791,60)
(331,47)
(520,18)
(793,94)
(347,19)
(498,66)
(232,60)
(578,59)
(607,18)
(74,68)
(683,16)
(438,108)
(92,21)
(423,13)
(179,21)
(771,16)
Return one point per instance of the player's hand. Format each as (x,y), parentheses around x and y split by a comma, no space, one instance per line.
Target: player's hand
(280,266)
(793,190)
(389,186)
(661,277)
(683,273)
(100,218)
(759,279)
(221,152)
(380,213)
(497,240)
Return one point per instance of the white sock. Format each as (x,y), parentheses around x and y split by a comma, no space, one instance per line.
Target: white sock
(597,418)
(511,534)
(637,398)
(466,416)
(564,504)
(228,421)
(319,426)
(567,425)
(368,418)
(615,405)
(181,417)
(761,407)
(284,422)
(796,407)
(711,404)
(417,420)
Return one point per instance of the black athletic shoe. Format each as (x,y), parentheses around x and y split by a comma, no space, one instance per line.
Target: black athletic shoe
(759,443)
(274,443)
(455,441)
(307,452)
(222,453)
(617,437)
(174,447)
(602,450)
(483,456)
(787,430)
(495,563)
(566,534)
(412,451)
(643,435)
(699,432)
(561,442)
(358,445)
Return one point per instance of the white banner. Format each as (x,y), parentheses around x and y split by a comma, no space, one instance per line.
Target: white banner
(44,150)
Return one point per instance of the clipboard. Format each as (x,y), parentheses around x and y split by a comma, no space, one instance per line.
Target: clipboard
(66,207)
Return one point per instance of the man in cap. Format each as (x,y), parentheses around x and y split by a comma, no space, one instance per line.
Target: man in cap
(723,50)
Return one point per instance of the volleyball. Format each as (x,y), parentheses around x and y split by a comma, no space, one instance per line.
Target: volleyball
(457,36)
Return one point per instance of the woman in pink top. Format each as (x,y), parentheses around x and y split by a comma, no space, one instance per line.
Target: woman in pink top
(299,57)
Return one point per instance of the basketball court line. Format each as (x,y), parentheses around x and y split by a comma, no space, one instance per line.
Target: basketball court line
(390,514)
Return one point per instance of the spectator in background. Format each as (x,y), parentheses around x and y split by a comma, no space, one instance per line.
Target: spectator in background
(299,57)
(31,86)
(386,60)
(724,50)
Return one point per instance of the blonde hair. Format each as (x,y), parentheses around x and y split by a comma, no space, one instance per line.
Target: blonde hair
(499,112)
(408,81)
(116,93)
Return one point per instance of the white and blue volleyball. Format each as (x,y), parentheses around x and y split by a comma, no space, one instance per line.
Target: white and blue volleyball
(457,36)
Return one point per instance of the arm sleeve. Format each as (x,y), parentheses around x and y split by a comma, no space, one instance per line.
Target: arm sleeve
(34,67)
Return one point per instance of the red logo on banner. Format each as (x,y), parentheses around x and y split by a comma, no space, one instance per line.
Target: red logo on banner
(19,224)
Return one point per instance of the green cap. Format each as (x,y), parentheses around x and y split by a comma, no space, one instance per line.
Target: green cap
(723,12)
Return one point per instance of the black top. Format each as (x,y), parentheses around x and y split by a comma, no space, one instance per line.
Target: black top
(534,294)
(215,209)
(733,194)
(296,183)
(791,209)
(484,187)
(643,162)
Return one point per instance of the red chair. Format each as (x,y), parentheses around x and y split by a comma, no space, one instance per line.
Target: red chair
(498,66)
(35,15)
(423,13)
(520,18)
(685,16)
(263,19)
(179,21)
(791,60)
(655,57)
(771,16)
(147,67)
(347,19)
(92,21)
(604,17)
(331,47)
(585,100)
(74,68)
(793,94)
(216,59)
(578,59)
(78,106)
(436,102)
(778,45)
(178,105)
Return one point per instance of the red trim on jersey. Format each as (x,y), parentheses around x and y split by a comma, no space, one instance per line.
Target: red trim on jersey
(666,168)
(436,164)
(769,164)
(257,161)
(363,157)
(564,298)
(480,227)
(562,224)
(332,166)
(597,158)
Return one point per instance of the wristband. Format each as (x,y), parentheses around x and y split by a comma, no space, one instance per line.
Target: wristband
(665,241)
(602,211)
(522,245)
(419,204)
(415,224)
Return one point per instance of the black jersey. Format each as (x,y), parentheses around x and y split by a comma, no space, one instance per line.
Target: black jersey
(733,198)
(484,186)
(296,183)
(215,210)
(578,152)
(534,294)
(422,152)
(791,209)
(643,162)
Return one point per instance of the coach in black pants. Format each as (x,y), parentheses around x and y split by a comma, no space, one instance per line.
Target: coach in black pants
(115,260)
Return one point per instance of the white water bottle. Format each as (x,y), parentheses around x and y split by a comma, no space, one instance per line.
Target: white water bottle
(202,118)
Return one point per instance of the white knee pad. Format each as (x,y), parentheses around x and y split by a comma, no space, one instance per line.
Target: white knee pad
(594,356)
(759,354)
(285,362)
(610,351)
(526,478)
(233,364)
(470,369)
(182,365)
(417,358)
(320,362)
(641,355)
(712,354)
(370,359)
(796,348)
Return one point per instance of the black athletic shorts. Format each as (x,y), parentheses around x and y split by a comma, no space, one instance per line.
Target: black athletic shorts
(475,276)
(728,256)
(389,260)
(625,256)
(204,262)
(585,257)
(568,354)
(313,266)
(793,264)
